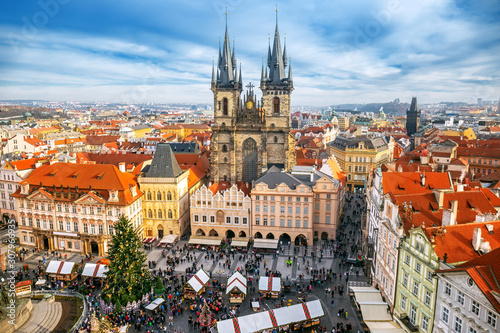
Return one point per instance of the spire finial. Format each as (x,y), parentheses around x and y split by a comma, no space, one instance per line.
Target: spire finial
(276,14)
(226,17)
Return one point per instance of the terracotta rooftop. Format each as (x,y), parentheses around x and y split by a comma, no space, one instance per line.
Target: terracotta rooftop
(410,182)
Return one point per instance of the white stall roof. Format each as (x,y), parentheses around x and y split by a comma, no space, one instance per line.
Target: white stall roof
(154,304)
(264,283)
(261,321)
(199,280)
(240,241)
(40,282)
(60,267)
(169,239)
(237,281)
(384,327)
(95,270)
(206,240)
(263,243)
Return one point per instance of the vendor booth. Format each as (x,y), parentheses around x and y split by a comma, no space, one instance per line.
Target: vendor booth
(95,270)
(168,241)
(62,270)
(23,287)
(270,286)
(236,288)
(240,243)
(155,304)
(293,317)
(196,285)
(40,284)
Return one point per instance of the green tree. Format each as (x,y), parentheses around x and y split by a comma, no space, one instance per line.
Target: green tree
(128,278)
(159,287)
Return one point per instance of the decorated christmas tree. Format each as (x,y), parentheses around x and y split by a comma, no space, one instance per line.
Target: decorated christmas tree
(128,278)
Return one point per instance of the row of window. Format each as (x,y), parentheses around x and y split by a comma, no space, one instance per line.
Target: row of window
(415,289)
(160,214)
(360,159)
(66,226)
(413,314)
(159,196)
(68,243)
(491,319)
(67,208)
(11,205)
(418,268)
(9,186)
(483,161)
(229,219)
(289,224)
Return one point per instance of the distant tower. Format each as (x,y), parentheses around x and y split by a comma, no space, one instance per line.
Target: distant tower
(498,107)
(413,118)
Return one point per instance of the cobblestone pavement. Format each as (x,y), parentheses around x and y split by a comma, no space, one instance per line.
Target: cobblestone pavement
(299,271)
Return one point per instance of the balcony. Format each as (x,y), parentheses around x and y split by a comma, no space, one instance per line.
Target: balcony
(406,321)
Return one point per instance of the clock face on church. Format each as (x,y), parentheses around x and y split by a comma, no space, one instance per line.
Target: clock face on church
(249,104)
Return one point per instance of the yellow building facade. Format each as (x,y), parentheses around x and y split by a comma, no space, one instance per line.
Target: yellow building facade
(357,156)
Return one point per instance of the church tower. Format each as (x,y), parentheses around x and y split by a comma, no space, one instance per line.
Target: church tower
(276,86)
(413,118)
(250,135)
(227,87)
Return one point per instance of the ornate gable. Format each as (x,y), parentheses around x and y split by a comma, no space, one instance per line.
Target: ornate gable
(90,199)
(40,194)
(462,281)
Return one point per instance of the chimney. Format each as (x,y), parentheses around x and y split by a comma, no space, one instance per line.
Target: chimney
(312,174)
(460,187)
(121,166)
(422,179)
(439,197)
(476,239)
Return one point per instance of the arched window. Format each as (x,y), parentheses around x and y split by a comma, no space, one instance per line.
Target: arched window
(169,195)
(158,196)
(149,195)
(160,215)
(224,148)
(169,213)
(276,105)
(225,159)
(275,139)
(224,106)
(150,214)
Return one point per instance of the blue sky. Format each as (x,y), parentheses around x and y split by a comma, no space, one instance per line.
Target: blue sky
(161,51)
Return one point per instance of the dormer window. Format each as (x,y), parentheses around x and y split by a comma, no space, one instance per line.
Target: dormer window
(113,195)
(25,189)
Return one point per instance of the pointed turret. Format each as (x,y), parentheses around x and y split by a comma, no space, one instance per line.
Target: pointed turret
(276,58)
(225,65)
(262,71)
(240,81)
(213,72)
(233,57)
(290,78)
(414,106)
(285,58)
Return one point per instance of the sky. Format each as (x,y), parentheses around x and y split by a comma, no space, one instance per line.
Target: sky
(162,51)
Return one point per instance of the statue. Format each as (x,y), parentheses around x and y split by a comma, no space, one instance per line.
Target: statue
(4,297)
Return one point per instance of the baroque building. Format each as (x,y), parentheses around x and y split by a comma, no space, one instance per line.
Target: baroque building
(250,136)
(166,195)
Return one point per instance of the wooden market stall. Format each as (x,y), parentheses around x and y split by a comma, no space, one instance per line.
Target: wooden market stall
(168,241)
(23,287)
(236,288)
(270,286)
(62,270)
(95,270)
(196,284)
(295,317)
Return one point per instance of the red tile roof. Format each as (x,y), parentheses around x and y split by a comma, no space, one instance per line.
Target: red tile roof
(456,240)
(114,158)
(410,182)
(98,140)
(246,188)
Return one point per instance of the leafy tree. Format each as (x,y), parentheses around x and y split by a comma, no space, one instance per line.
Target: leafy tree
(159,288)
(128,278)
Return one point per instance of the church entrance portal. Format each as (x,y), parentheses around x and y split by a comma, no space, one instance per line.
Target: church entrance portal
(249,160)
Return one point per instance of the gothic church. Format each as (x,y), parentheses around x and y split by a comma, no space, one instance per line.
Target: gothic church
(250,135)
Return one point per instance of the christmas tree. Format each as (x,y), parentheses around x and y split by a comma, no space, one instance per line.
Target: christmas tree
(128,278)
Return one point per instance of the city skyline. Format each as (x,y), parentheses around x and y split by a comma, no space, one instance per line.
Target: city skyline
(163,52)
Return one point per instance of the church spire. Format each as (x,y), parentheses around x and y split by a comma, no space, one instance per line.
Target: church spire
(275,61)
(226,64)
(241,78)
(262,72)
(285,58)
(290,79)
(213,72)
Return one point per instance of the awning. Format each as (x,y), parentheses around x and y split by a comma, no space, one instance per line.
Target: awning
(269,283)
(262,243)
(372,312)
(271,319)
(95,270)
(169,239)
(206,240)
(237,281)
(154,304)
(198,281)
(149,240)
(60,267)
(40,282)
(384,327)
(240,241)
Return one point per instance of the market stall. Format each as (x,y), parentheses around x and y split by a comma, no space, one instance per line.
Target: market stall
(95,270)
(168,241)
(155,304)
(40,284)
(236,287)
(270,286)
(297,316)
(206,240)
(62,270)
(196,284)
(240,243)
(23,287)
